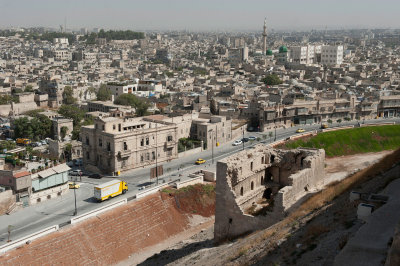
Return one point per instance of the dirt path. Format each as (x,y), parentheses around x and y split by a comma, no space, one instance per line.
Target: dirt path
(339,167)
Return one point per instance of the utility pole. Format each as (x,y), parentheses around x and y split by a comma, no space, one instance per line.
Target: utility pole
(156,154)
(212,146)
(275,133)
(243,137)
(76,210)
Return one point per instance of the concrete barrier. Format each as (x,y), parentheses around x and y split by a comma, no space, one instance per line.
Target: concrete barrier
(30,238)
(302,135)
(87,215)
(190,152)
(151,191)
(336,128)
(376,125)
(193,181)
(208,176)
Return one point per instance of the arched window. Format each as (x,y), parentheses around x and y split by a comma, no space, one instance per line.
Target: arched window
(252,185)
(262,180)
(241,191)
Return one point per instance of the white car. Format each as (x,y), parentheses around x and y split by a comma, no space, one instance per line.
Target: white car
(75,172)
(237,142)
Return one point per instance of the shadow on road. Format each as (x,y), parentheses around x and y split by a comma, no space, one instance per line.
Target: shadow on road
(145,184)
(91,199)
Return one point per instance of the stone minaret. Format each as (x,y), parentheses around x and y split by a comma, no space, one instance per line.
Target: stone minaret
(264,51)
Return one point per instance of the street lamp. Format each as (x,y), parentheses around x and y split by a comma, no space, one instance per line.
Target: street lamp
(243,137)
(76,210)
(212,146)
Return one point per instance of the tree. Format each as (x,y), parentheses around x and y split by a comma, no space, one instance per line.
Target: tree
(6,99)
(347,119)
(272,80)
(68,95)
(339,121)
(270,134)
(68,152)
(28,88)
(72,112)
(63,132)
(39,127)
(78,118)
(103,94)
(329,121)
(131,100)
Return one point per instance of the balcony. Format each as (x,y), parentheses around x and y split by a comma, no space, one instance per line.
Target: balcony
(169,144)
(343,109)
(124,153)
(301,111)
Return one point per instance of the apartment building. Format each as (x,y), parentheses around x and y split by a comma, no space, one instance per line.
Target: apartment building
(332,54)
(308,112)
(389,106)
(302,54)
(119,88)
(114,145)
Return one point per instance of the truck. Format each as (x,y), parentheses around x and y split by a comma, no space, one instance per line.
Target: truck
(110,189)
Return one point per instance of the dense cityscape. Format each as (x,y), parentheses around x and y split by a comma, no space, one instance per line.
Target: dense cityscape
(152,113)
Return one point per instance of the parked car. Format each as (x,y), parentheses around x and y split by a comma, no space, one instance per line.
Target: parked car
(252,138)
(300,130)
(237,142)
(38,144)
(73,185)
(245,139)
(75,172)
(43,142)
(200,161)
(78,162)
(97,176)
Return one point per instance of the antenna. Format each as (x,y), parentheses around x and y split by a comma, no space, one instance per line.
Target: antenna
(65,24)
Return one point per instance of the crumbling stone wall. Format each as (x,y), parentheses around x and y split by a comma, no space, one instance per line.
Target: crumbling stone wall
(266,181)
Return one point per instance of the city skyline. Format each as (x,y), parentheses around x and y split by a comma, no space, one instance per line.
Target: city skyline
(200,15)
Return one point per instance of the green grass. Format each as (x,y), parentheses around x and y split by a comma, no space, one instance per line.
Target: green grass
(352,141)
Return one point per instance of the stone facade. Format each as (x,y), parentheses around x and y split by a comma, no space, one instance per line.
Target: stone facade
(114,144)
(256,188)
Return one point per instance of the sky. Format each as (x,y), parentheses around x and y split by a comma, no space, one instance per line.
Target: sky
(201,15)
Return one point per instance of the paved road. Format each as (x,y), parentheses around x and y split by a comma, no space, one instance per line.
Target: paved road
(61,209)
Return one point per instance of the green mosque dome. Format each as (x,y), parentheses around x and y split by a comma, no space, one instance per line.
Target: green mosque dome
(283,49)
(269,52)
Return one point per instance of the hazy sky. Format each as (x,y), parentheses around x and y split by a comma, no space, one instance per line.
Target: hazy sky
(201,14)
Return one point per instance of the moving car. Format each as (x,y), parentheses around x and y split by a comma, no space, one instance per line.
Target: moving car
(300,130)
(200,161)
(245,139)
(323,126)
(237,142)
(98,176)
(73,185)
(252,138)
(75,172)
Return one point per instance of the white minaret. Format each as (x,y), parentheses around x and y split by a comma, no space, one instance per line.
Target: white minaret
(264,51)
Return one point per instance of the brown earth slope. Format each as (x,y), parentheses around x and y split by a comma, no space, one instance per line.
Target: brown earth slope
(112,236)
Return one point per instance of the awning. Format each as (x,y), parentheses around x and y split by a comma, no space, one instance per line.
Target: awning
(46,173)
(61,168)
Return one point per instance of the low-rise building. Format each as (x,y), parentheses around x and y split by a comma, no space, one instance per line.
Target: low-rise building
(49,183)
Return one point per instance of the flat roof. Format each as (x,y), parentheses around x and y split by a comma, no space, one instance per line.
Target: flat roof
(109,183)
